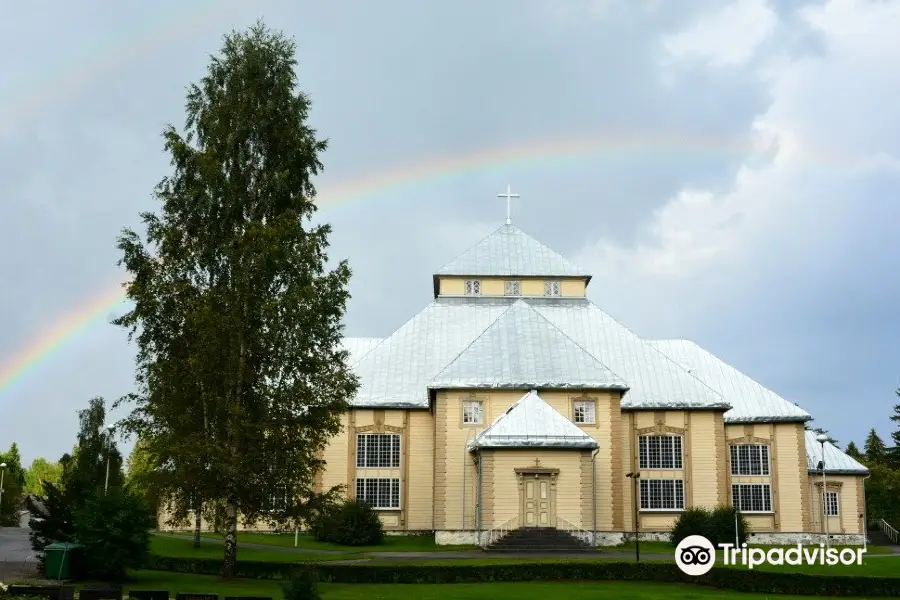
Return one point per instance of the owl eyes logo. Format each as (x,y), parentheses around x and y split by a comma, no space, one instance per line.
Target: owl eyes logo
(695,555)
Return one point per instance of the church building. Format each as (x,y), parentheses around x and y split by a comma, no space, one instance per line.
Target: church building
(513,401)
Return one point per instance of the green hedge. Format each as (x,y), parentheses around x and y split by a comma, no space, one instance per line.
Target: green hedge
(760,582)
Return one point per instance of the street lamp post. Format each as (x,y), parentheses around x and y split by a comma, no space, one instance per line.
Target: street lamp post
(2,472)
(109,433)
(634,476)
(822,438)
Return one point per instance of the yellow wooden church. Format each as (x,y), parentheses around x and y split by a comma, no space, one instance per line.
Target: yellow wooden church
(512,401)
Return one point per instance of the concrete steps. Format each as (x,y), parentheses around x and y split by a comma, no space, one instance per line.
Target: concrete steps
(539,539)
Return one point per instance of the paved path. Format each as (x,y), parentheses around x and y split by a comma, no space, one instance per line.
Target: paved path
(422,556)
(15,545)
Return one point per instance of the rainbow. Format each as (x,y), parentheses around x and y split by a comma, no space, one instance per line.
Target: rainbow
(533,153)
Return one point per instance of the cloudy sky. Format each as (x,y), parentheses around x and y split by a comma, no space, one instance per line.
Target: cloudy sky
(728,170)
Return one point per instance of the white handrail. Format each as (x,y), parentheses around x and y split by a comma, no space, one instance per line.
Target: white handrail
(889,531)
(574,530)
(500,530)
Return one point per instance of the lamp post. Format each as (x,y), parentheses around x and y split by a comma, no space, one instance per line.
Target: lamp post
(634,476)
(737,539)
(109,433)
(822,438)
(2,472)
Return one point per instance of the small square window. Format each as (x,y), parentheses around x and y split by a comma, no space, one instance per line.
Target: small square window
(473,412)
(473,287)
(552,288)
(585,412)
(512,288)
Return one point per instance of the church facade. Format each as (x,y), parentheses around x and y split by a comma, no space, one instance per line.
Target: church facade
(512,400)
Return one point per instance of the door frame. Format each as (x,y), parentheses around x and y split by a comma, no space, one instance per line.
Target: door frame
(536,472)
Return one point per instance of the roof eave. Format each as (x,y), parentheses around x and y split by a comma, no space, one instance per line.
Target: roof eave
(718,407)
(526,386)
(765,419)
(839,472)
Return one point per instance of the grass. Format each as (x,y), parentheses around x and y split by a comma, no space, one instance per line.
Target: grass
(183,548)
(181,583)
(392,543)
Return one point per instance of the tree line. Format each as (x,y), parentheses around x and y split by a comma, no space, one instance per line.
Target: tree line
(883,462)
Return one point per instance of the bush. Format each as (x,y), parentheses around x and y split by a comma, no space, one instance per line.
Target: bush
(740,580)
(349,524)
(716,525)
(303,585)
(114,530)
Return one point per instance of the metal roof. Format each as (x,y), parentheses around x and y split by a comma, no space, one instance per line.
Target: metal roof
(522,349)
(531,422)
(399,370)
(509,251)
(655,381)
(750,401)
(359,346)
(837,462)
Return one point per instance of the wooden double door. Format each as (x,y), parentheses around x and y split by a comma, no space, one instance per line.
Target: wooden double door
(537,502)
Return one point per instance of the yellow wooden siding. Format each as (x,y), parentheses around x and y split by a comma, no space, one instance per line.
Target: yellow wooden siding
(420,484)
(335,456)
(704,475)
(495,286)
(657,522)
(452,286)
(572,287)
(458,468)
(506,483)
(849,508)
(532,287)
(789,454)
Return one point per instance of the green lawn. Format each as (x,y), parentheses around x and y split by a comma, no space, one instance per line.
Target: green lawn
(392,543)
(148,580)
(165,545)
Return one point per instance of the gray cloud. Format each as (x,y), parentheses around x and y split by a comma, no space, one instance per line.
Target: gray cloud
(797,291)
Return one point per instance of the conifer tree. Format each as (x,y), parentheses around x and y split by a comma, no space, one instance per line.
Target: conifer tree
(874,447)
(853,452)
(241,375)
(13,487)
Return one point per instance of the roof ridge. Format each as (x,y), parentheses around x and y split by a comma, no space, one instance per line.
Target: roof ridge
(657,350)
(473,340)
(730,366)
(577,345)
(452,260)
(547,322)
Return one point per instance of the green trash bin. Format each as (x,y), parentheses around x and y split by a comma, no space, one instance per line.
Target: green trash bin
(58,560)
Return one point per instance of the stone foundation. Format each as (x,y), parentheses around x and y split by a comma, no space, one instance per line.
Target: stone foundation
(792,539)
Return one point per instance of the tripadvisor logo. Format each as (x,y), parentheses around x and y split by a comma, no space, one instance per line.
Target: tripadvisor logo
(695,555)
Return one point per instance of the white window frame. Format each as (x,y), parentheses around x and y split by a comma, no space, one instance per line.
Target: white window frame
(586,419)
(765,490)
(512,287)
(362,442)
(279,497)
(473,287)
(761,467)
(836,505)
(645,491)
(478,405)
(675,441)
(553,288)
(362,482)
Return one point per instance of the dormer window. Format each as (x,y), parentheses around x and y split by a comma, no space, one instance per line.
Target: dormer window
(473,287)
(552,288)
(512,288)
